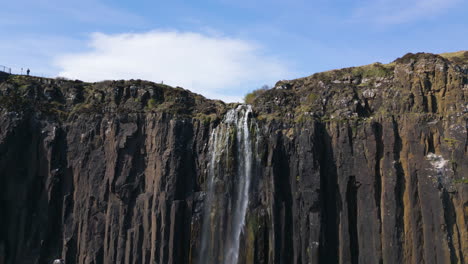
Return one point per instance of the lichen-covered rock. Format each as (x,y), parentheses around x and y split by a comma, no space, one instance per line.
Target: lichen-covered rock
(359,165)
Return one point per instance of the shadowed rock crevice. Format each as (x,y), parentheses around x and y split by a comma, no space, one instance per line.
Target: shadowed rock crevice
(399,191)
(449,216)
(283,203)
(377,130)
(351,197)
(329,195)
(58,185)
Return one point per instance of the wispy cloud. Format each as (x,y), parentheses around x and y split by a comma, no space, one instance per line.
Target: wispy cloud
(400,11)
(217,67)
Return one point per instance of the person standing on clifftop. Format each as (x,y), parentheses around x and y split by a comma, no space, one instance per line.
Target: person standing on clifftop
(27,72)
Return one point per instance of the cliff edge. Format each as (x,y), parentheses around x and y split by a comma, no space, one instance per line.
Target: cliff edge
(359,165)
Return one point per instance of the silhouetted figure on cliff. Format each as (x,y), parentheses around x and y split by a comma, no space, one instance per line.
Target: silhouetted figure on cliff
(27,72)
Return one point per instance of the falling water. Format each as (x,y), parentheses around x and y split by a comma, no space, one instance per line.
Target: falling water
(237,121)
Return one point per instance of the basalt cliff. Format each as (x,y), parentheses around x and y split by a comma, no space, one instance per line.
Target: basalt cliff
(359,165)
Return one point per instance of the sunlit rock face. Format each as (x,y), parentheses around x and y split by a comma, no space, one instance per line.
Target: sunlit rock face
(358,165)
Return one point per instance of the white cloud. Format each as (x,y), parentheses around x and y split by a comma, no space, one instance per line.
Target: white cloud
(401,11)
(217,67)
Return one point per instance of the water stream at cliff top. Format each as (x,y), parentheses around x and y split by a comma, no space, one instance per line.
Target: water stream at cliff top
(228,184)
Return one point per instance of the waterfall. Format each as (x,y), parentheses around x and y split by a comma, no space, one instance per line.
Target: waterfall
(227,195)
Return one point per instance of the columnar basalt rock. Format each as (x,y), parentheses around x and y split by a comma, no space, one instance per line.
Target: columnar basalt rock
(358,165)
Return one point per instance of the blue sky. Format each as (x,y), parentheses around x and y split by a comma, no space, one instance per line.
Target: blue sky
(221,48)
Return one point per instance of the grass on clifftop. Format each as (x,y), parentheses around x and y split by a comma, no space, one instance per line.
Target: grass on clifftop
(373,70)
(459,56)
(250,97)
(449,55)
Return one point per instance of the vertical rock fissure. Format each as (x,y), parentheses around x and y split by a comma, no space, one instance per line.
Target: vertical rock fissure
(379,149)
(350,137)
(417,220)
(283,204)
(57,165)
(351,198)
(236,120)
(399,190)
(449,217)
(329,242)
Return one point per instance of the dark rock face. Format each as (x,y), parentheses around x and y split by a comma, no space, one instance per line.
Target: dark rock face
(359,165)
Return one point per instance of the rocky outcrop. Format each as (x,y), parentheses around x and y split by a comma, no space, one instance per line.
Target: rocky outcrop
(358,165)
